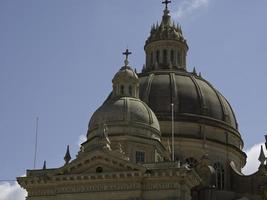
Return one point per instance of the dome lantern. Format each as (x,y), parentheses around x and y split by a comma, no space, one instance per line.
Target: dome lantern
(166,47)
(125,81)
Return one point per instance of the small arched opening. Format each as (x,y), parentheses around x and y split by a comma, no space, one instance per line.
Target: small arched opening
(122,89)
(99,170)
(219,172)
(130,90)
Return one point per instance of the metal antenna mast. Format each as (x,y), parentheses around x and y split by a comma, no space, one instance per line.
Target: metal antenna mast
(36,142)
(172,132)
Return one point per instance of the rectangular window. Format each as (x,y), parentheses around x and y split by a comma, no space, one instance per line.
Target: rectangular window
(178,58)
(139,157)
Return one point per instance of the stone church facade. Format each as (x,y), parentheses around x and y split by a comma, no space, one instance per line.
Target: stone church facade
(162,134)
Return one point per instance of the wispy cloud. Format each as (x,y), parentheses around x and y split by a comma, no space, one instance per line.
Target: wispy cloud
(82,139)
(252,159)
(10,191)
(187,7)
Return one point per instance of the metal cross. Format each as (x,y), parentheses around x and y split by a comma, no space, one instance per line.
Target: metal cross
(166,2)
(127,53)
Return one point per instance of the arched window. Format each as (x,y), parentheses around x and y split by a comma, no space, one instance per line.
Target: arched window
(191,162)
(151,58)
(177,157)
(99,170)
(130,90)
(165,56)
(219,172)
(140,157)
(122,90)
(178,58)
(172,56)
(157,56)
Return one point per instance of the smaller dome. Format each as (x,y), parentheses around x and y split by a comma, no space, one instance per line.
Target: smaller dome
(126,111)
(126,73)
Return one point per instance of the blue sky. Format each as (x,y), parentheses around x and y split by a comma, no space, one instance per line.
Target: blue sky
(57,59)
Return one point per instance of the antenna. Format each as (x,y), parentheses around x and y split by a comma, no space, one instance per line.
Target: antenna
(7,180)
(36,143)
(172,132)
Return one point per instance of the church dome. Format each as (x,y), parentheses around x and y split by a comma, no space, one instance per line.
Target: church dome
(186,105)
(124,111)
(194,98)
(165,80)
(124,120)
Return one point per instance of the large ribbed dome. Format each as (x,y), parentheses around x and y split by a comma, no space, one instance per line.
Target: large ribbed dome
(203,119)
(194,98)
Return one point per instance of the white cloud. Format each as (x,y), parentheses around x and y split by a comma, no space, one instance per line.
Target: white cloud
(10,191)
(82,139)
(252,159)
(186,7)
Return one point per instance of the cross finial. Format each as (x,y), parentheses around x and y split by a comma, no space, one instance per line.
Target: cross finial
(166,2)
(126,53)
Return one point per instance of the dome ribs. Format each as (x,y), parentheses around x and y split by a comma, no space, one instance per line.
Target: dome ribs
(149,114)
(203,106)
(194,97)
(148,88)
(224,111)
(232,112)
(126,111)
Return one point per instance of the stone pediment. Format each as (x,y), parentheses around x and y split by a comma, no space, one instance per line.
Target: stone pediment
(98,162)
(98,165)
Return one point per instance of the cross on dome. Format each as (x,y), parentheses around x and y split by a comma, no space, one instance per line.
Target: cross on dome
(126,53)
(166,2)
